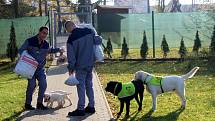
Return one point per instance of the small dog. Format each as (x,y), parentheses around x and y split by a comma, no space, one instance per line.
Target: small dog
(62,58)
(58,96)
(126,92)
(165,84)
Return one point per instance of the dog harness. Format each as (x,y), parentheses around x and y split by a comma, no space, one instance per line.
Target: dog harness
(156,81)
(128,89)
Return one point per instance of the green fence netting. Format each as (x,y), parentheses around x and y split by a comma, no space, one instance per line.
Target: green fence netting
(173,25)
(24,27)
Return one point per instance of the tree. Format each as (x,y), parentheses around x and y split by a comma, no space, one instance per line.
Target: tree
(182,50)
(109,48)
(82,8)
(109,45)
(46,7)
(148,6)
(16,7)
(164,46)
(12,49)
(197,43)
(176,6)
(124,51)
(161,5)
(212,45)
(40,8)
(144,47)
(211,57)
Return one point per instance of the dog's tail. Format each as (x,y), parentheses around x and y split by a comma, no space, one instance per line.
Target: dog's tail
(190,74)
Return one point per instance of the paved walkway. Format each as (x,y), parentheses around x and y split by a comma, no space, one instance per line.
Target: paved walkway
(55,78)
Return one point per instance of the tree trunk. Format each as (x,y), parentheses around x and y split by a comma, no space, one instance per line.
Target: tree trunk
(148,5)
(16,8)
(58,9)
(163,5)
(46,7)
(175,6)
(40,7)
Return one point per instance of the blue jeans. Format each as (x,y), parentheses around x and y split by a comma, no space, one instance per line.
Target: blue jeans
(39,75)
(84,77)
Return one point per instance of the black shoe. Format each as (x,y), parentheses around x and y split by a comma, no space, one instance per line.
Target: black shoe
(40,106)
(29,107)
(90,110)
(77,113)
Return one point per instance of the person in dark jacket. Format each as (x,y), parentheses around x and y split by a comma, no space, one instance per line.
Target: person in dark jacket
(81,59)
(38,48)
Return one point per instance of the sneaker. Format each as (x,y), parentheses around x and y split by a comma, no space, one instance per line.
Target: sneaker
(90,110)
(40,106)
(77,113)
(29,107)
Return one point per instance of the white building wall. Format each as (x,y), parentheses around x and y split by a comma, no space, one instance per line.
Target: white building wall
(137,6)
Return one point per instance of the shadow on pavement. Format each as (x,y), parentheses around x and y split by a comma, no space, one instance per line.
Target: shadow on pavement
(79,118)
(36,112)
(62,69)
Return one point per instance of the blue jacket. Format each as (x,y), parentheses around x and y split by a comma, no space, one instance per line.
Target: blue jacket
(36,50)
(80,48)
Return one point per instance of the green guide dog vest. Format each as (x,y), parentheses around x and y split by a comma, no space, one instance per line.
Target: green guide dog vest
(156,80)
(128,89)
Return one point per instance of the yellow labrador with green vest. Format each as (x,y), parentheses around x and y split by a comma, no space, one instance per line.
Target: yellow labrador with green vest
(157,85)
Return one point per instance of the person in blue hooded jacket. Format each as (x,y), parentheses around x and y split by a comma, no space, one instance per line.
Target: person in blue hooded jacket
(38,48)
(81,59)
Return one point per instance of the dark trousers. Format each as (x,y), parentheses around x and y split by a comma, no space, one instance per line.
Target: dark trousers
(39,75)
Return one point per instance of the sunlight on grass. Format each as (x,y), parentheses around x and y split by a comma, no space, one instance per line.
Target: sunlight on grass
(135,53)
(12,92)
(200,91)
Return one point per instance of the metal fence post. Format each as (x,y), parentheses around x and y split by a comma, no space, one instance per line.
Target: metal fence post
(153,34)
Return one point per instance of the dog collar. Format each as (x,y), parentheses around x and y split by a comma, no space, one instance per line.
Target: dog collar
(146,79)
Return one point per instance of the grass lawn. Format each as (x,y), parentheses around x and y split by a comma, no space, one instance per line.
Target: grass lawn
(200,91)
(12,92)
(135,53)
